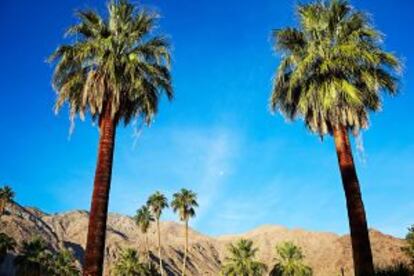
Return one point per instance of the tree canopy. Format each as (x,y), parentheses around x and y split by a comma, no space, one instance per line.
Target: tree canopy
(332,68)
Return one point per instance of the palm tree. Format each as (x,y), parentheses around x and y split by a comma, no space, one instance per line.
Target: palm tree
(409,248)
(184,202)
(143,219)
(331,74)
(6,196)
(6,244)
(64,264)
(34,259)
(128,265)
(115,70)
(290,261)
(241,261)
(158,202)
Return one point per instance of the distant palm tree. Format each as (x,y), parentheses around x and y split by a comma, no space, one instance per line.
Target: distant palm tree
(290,261)
(331,74)
(6,196)
(6,244)
(115,70)
(184,202)
(64,264)
(158,202)
(34,259)
(241,260)
(143,219)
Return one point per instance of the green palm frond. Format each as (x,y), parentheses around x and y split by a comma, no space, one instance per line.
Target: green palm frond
(333,68)
(241,260)
(157,202)
(114,60)
(143,218)
(185,202)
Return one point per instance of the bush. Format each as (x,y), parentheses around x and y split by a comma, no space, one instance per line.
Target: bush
(394,270)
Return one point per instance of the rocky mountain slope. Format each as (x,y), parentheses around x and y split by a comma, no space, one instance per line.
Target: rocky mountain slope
(326,253)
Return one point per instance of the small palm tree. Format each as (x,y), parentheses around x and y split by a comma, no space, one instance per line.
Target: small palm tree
(143,220)
(64,264)
(241,261)
(115,70)
(6,244)
(409,248)
(290,261)
(184,202)
(332,73)
(35,258)
(157,203)
(128,264)
(6,196)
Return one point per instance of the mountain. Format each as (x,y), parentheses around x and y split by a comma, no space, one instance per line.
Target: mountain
(326,253)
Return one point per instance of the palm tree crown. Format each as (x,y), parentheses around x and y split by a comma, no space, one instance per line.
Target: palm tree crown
(64,264)
(6,193)
(290,261)
(143,218)
(184,202)
(157,202)
(6,244)
(332,69)
(128,264)
(241,261)
(113,62)
(35,258)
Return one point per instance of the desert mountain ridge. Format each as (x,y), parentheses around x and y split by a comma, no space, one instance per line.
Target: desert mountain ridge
(327,253)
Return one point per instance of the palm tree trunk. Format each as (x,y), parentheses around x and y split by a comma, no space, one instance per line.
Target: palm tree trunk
(2,207)
(159,246)
(361,248)
(95,245)
(186,247)
(147,249)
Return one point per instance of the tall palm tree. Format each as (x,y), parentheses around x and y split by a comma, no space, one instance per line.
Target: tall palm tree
(143,219)
(241,261)
(290,261)
(6,196)
(157,203)
(331,74)
(115,70)
(185,202)
(34,259)
(6,244)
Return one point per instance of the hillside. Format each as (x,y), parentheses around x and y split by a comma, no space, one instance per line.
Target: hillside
(326,253)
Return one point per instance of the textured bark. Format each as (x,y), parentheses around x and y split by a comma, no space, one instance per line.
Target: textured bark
(95,245)
(361,247)
(159,246)
(186,248)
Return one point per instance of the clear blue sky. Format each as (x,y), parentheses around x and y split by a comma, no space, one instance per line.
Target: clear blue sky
(217,137)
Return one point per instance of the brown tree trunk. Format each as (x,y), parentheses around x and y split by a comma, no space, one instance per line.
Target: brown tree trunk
(159,246)
(95,245)
(2,207)
(361,247)
(186,247)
